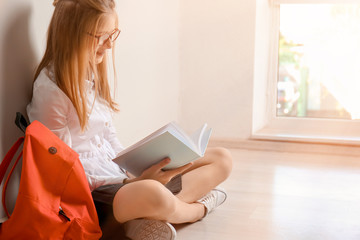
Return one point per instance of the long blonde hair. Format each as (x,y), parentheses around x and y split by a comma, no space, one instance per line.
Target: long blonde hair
(67,51)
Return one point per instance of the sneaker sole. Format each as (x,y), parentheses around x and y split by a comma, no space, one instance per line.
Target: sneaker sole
(144,229)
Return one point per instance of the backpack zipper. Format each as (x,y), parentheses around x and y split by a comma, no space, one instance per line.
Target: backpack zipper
(62,213)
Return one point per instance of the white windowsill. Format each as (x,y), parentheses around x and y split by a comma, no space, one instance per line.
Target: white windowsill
(276,135)
(287,146)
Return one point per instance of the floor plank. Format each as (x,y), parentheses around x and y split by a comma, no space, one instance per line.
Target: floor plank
(290,196)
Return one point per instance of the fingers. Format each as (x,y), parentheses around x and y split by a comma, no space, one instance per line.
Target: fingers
(172,172)
(161,164)
(155,172)
(179,170)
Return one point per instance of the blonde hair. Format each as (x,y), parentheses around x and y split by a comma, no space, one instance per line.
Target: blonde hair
(67,51)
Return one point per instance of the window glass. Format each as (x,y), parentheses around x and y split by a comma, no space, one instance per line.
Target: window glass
(319,61)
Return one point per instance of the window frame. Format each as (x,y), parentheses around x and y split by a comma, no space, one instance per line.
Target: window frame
(268,126)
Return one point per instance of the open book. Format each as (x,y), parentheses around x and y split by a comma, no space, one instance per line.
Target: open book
(169,141)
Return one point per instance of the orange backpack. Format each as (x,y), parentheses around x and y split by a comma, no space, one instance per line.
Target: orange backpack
(54,199)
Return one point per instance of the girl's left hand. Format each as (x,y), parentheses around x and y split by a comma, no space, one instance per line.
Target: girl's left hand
(155,172)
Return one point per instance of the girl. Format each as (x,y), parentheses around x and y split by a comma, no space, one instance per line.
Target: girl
(71,97)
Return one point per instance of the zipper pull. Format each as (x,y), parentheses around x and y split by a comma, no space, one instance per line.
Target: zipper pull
(62,213)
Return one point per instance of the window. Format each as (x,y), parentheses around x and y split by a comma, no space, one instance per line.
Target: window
(314,72)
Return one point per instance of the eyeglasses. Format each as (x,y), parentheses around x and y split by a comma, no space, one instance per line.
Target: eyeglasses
(107,36)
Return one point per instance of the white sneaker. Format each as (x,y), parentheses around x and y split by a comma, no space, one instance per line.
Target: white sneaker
(146,229)
(213,199)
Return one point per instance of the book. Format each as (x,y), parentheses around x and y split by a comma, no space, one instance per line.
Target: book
(168,141)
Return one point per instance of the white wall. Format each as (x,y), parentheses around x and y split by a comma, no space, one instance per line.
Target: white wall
(261,66)
(216,65)
(189,61)
(147,67)
(20,28)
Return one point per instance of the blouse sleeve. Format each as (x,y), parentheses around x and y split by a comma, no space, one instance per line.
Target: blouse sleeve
(51,107)
(110,135)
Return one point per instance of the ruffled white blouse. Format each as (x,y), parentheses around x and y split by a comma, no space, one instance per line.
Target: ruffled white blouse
(96,146)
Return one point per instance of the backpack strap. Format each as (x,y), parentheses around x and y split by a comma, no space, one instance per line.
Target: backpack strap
(5,165)
(22,123)
(8,157)
(6,185)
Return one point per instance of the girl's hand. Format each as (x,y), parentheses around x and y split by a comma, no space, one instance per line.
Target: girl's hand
(154,172)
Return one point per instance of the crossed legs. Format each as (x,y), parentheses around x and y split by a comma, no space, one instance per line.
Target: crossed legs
(151,199)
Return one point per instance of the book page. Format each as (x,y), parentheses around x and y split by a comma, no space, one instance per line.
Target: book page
(205,140)
(197,137)
(179,133)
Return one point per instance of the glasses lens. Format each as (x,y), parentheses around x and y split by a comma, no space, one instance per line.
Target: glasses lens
(114,35)
(103,38)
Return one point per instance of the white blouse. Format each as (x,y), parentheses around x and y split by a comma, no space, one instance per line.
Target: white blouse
(96,146)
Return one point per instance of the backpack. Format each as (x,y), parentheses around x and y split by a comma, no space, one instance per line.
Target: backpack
(54,199)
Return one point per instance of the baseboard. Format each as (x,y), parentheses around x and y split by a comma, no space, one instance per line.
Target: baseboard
(286,146)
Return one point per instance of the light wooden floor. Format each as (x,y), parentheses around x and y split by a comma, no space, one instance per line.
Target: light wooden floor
(287,196)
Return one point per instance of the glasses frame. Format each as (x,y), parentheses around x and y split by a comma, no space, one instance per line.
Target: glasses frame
(101,39)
